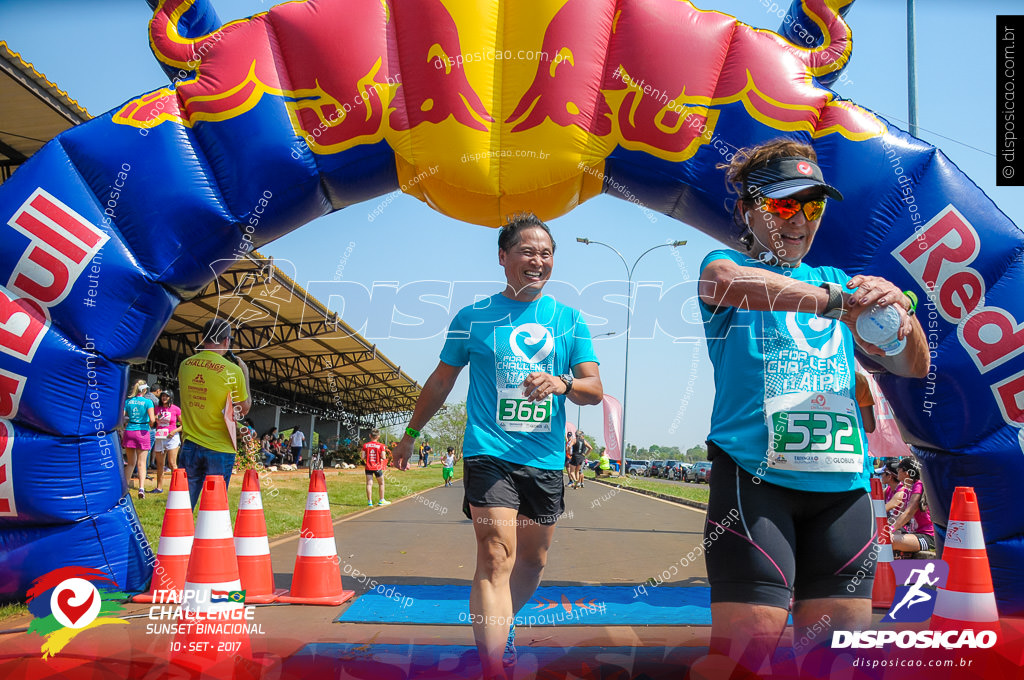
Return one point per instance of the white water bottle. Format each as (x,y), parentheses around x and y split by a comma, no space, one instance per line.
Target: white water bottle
(880,326)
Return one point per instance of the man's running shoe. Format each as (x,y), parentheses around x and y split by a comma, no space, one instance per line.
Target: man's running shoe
(508,659)
(384,502)
(369,503)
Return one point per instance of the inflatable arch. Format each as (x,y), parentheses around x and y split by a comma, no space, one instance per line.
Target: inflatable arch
(315,105)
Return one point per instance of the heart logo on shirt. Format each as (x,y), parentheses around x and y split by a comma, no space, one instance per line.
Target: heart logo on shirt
(537,342)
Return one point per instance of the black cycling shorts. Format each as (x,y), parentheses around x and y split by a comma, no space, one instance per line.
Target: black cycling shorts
(577,459)
(767,544)
(375,473)
(491,482)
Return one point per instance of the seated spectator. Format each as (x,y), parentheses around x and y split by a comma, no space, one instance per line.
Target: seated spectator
(892,488)
(912,530)
(265,448)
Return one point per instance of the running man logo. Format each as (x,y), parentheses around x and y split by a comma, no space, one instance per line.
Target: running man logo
(66,601)
(915,599)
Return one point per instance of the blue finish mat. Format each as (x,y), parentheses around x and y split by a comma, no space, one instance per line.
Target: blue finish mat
(423,662)
(550,606)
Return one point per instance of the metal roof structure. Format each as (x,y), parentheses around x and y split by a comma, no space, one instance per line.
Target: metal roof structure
(300,354)
(32,111)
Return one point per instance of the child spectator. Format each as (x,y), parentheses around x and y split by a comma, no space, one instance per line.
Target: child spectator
(448,466)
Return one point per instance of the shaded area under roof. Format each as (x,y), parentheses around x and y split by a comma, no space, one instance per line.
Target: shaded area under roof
(32,111)
(300,354)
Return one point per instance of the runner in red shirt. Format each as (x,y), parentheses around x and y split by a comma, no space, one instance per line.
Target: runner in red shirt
(374,456)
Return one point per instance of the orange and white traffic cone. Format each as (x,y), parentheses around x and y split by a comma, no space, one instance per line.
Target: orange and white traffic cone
(968,600)
(317,575)
(884,589)
(213,628)
(175,544)
(251,545)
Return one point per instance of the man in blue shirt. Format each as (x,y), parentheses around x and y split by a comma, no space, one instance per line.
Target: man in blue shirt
(786,441)
(526,353)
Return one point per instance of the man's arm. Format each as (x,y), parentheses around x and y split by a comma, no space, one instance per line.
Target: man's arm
(243,407)
(867,413)
(435,391)
(724,283)
(586,385)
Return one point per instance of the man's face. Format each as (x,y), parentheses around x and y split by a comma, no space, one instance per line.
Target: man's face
(788,239)
(528,263)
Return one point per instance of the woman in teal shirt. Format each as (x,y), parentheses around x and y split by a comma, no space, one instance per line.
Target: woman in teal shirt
(138,418)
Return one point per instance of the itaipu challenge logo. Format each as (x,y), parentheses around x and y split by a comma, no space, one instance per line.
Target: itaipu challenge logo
(69,600)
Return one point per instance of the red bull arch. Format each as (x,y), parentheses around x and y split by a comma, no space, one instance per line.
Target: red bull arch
(479,109)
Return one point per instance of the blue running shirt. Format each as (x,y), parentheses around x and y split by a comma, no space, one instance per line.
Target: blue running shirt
(137,409)
(503,341)
(794,371)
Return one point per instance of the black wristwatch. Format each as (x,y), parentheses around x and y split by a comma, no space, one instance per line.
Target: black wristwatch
(834,308)
(567,379)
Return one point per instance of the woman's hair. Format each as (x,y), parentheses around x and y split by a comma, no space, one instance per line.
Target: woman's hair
(748,159)
(913,469)
(135,388)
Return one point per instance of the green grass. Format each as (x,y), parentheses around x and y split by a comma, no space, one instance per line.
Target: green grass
(10,611)
(284,496)
(689,492)
(284,501)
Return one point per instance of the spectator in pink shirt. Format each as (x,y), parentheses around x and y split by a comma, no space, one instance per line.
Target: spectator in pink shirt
(912,530)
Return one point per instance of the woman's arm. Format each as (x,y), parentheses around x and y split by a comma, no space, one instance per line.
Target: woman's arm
(913,505)
(896,502)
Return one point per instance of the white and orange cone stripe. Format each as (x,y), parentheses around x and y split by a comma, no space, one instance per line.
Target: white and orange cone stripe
(884,588)
(175,546)
(968,600)
(316,578)
(252,548)
(211,567)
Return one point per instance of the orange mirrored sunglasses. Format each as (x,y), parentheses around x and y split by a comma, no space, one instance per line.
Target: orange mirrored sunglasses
(787,207)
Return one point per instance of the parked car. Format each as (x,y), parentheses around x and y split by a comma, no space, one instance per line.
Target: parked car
(672,469)
(636,467)
(654,469)
(700,472)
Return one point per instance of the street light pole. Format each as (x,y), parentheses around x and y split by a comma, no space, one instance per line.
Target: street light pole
(629,317)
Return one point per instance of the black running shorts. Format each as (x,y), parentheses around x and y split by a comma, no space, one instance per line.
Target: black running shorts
(767,543)
(492,482)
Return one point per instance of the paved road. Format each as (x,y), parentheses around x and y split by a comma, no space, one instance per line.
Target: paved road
(608,536)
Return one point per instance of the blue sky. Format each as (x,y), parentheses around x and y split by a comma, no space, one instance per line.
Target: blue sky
(98,52)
